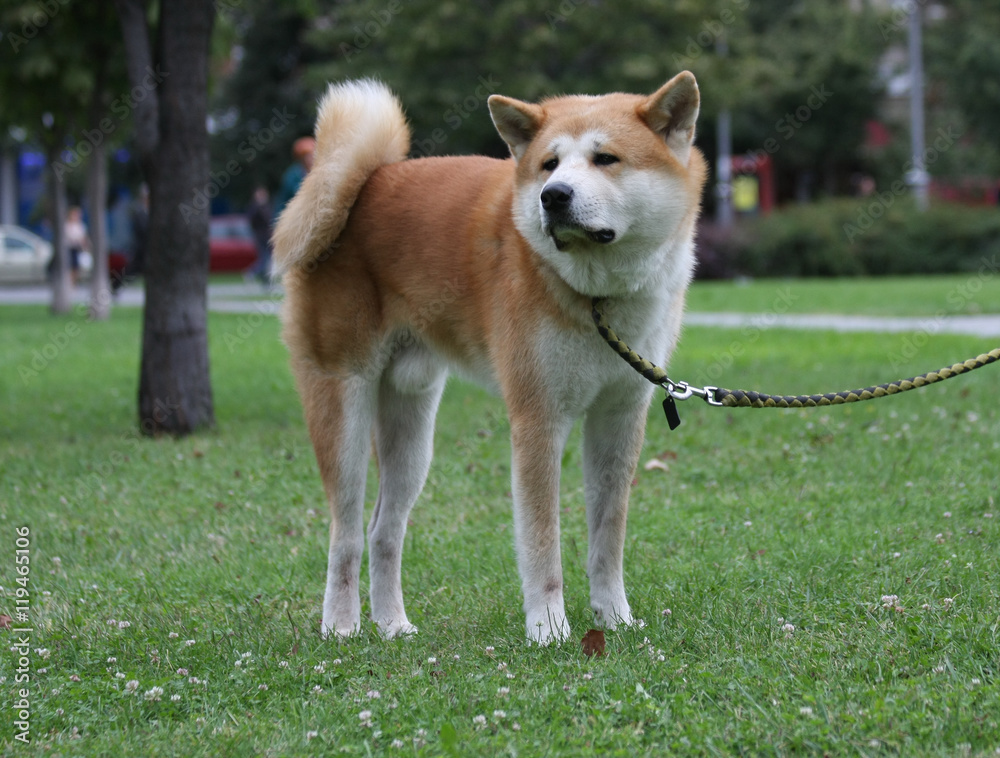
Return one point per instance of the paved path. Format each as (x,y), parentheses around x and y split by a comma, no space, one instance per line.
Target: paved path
(252,298)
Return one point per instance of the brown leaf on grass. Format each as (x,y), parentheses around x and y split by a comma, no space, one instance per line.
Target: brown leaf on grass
(593,643)
(5,621)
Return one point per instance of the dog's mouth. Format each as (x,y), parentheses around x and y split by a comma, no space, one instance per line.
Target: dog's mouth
(563,237)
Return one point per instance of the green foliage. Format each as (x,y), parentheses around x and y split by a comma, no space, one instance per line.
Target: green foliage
(854,237)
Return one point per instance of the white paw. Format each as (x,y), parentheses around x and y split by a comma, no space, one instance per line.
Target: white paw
(392,629)
(612,616)
(548,629)
(339,632)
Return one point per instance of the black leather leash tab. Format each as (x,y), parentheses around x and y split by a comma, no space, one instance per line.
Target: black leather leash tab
(670,409)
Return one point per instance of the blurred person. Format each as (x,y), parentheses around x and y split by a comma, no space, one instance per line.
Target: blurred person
(140,233)
(260,218)
(302,150)
(77,241)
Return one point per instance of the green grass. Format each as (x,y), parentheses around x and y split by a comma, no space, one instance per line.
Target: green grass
(951,294)
(764,518)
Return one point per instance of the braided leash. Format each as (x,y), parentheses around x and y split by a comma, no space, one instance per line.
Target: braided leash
(751,399)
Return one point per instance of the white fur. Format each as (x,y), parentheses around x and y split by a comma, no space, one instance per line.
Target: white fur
(644,208)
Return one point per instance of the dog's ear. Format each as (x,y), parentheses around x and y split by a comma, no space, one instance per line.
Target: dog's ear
(672,111)
(518,122)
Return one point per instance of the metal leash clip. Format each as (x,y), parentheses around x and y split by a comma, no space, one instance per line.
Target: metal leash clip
(684,391)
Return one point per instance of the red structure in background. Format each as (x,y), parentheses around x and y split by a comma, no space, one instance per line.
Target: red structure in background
(761,166)
(972,191)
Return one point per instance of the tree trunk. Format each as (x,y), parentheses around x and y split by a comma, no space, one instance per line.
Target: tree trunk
(175,394)
(97,201)
(62,284)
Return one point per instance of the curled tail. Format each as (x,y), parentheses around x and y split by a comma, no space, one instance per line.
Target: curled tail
(360,126)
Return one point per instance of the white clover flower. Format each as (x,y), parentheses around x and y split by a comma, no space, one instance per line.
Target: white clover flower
(432,660)
(173,636)
(262,687)
(175,698)
(788,629)
(479,721)
(397,744)
(188,643)
(503,691)
(312,735)
(131,685)
(805,711)
(153,694)
(499,715)
(374,694)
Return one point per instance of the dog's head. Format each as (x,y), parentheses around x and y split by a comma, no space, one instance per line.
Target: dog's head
(607,187)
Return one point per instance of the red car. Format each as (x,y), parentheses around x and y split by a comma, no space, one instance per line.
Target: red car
(231,244)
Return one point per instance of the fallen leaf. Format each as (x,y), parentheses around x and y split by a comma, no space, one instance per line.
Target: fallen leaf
(5,621)
(667,455)
(593,643)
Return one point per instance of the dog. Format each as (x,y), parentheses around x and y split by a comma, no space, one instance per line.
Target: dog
(400,271)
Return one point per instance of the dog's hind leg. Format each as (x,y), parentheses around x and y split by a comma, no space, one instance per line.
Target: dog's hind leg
(339,413)
(404,437)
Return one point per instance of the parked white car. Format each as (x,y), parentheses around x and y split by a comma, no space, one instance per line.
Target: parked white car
(23,256)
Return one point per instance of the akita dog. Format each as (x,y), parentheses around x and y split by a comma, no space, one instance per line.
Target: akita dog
(398,271)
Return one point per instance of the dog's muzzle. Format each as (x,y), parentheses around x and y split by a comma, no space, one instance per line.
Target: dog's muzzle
(557,199)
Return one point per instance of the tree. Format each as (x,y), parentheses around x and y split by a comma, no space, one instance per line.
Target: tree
(66,62)
(45,90)
(170,82)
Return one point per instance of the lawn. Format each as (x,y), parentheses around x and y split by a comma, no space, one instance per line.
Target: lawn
(811,582)
(947,294)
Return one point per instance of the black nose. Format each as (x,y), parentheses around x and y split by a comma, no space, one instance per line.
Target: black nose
(556,196)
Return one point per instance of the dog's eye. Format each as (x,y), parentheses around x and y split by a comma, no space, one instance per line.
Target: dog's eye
(605,159)
(550,164)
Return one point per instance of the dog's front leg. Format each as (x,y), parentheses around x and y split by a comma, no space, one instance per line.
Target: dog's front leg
(538,439)
(612,441)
